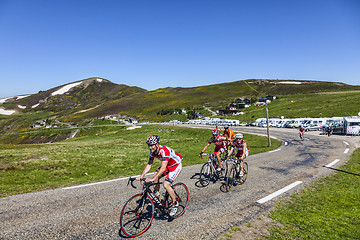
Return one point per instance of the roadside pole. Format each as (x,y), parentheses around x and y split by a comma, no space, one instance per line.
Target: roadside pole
(268,130)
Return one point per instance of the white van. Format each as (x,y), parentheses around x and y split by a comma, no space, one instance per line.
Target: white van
(352,125)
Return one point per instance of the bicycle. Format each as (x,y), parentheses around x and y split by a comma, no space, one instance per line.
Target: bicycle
(208,170)
(139,211)
(233,177)
(301,135)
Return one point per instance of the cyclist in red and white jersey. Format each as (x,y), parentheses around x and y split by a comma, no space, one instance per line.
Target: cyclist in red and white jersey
(220,144)
(242,150)
(170,167)
(302,132)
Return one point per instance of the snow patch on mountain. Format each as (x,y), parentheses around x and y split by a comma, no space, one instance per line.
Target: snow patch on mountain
(2,100)
(35,105)
(6,112)
(65,88)
(22,96)
(289,82)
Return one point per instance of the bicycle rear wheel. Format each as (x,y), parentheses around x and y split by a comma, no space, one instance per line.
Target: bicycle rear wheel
(206,173)
(137,215)
(182,196)
(243,178)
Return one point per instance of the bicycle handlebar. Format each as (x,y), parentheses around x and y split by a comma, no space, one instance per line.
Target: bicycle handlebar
(132,179)
(207,154)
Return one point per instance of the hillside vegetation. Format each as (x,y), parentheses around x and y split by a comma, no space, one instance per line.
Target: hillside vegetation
(95,98)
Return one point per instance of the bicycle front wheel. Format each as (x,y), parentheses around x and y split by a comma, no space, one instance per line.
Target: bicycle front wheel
(137,215)
(182,196)
(243,178)
(230,178)
(206,174)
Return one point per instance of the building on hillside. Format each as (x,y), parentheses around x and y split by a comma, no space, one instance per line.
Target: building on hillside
(243,105)
(265,100)
(271,97)
(229,112)
(243,100)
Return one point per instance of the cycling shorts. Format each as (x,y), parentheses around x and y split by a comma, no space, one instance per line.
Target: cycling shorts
(221,150)
(238,155)
(171,173)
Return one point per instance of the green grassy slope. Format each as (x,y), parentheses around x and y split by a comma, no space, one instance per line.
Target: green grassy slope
(146,105)
(327,104)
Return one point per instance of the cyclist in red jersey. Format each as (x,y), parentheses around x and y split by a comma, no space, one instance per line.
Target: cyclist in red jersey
(242,150)
(170,167)
(302,132)
(220,144)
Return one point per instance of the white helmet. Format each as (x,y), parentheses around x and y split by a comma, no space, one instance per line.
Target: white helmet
(238,136)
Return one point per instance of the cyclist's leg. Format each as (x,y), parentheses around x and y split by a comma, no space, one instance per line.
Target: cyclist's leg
(170,178)
(218,158)
(242,161)
(157,186)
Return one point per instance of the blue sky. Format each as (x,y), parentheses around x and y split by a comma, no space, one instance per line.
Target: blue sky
(154,44)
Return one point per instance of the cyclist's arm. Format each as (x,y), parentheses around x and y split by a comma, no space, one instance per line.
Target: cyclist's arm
(244,151)
(204,149)
(159,173)
(146,169)
(230,152)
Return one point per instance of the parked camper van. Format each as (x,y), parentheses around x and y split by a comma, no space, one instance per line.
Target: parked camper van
(352,125)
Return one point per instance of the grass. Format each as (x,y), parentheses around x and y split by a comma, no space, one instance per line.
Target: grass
(99,153)
(306,105)
(327,209)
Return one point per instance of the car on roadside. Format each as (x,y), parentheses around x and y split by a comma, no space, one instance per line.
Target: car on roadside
(312,127)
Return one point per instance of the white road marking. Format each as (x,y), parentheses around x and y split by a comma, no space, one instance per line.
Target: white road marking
(277,193)
(346,143)
(346,151)
(286,143)
(275,150)
(332,163)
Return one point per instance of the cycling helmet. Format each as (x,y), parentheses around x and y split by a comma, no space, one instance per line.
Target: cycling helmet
(215,132)
(226,126)
(152,140)
(238,136)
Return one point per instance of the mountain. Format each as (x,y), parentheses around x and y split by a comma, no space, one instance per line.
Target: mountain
(91,98)
(78,95)
(150,104)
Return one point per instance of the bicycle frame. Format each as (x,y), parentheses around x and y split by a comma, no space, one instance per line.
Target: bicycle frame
(146,191)
(212,160)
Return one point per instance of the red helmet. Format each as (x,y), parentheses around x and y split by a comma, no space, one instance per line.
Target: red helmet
(152,140)
(215,132)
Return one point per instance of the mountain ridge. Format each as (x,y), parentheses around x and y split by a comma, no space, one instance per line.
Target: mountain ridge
(79,103)
(97,97)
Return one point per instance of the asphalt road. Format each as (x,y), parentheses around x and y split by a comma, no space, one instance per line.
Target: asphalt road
(92,211)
